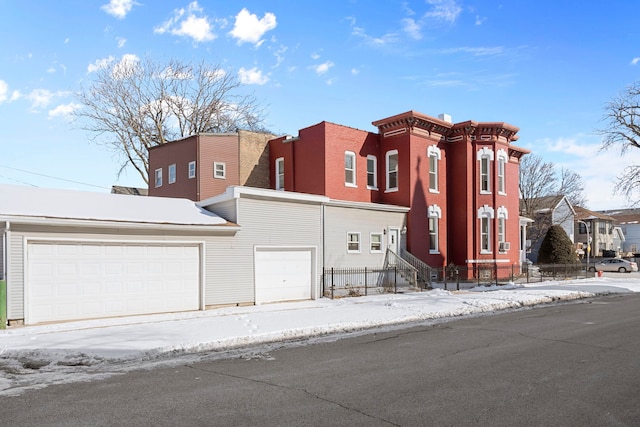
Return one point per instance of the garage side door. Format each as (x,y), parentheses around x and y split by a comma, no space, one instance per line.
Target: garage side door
(67,281)
(283,275)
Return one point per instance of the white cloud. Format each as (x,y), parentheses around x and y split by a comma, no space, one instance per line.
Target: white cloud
(64,110)
(355,71)
(252,76)
(190,22)
(444,10)
(4,90)
(635,60)
(248,28)
(118,8)
(374,41)
(412,28)
(323,68)
(40,98)
(100,64)
(121,41)
(480,20)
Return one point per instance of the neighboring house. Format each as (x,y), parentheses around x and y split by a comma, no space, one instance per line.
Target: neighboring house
(629,222)
(545,212)
(202,166)
(117,189)
(600,230)
(460,180)
(69,255)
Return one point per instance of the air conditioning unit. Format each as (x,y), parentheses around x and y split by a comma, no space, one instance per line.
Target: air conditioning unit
(504,246)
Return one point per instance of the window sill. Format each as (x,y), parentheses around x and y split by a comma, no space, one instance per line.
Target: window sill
(434,191)
(485,192)
(353,252)
(434,252)
(372,188)
(391,190)
(347,184)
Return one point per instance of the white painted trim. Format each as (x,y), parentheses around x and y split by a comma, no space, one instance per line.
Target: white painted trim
(235,192)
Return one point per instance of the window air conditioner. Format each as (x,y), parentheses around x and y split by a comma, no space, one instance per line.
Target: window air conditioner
(505,246)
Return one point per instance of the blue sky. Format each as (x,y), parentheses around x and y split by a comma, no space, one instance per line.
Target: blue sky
(547,67)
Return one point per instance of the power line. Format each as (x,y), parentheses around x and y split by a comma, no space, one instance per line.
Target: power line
(52,177)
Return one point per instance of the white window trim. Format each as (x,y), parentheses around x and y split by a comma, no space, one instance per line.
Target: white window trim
(375,251)
(224,170)
(171,179)
(279,172)
(353,170)
(433,151)
(192,169)
(502,157)
(375,172)
(387,171)
(158,177)
(485,154)
(352,251)
(434,211)
(486,212)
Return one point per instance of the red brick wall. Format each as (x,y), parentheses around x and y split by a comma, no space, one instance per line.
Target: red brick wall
(217,148)
(179,153)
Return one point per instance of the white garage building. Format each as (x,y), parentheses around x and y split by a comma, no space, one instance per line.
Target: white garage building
(69,255)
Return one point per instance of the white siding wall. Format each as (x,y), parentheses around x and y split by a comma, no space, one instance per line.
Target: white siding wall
(341,220)
(264,223)
(15,273)
(226,210)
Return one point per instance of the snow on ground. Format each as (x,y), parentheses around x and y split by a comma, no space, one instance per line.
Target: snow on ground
(36,356)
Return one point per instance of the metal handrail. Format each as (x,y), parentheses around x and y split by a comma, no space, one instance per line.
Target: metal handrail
(424,270)
(393,259)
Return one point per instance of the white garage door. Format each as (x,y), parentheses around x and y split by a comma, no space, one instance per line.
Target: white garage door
(283,275)
(67,281)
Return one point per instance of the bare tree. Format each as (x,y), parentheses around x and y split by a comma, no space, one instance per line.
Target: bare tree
(537,179)
(131,106)
(622,130)
(571,186)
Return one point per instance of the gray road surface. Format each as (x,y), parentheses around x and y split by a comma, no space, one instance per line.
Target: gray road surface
(574,364)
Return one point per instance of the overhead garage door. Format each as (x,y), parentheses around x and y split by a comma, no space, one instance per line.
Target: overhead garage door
(283,275)
(67,281)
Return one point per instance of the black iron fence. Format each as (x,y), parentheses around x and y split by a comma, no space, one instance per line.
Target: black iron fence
(461,277)
(353,282)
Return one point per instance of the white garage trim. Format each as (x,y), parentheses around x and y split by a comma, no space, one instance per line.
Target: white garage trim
(285,273)
(180,284)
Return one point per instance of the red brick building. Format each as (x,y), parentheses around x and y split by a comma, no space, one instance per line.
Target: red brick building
(202,166)
(460,180)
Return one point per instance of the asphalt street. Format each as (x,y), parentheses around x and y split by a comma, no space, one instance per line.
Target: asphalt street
(569,364)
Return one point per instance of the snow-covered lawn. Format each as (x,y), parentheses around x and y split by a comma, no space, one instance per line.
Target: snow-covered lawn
(35,356)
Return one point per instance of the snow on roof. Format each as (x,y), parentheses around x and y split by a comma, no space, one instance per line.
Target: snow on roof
(30,202)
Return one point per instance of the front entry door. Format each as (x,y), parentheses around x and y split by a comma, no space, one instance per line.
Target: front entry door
(393,242)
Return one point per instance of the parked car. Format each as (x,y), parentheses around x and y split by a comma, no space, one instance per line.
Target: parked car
(615,264)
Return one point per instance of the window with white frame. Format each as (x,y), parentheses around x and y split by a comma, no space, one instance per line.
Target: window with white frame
(503,246)
(172,173)
(192,169)
(434,213)
(280,173)
(375,242)
(349,169)
(392,170)
(353,243)
(485,157)
(485,215)
(502,164)
(219,170)
(372,172)
(433,154)
(158,176)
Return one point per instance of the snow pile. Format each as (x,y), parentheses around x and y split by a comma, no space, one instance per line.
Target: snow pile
(34,356)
